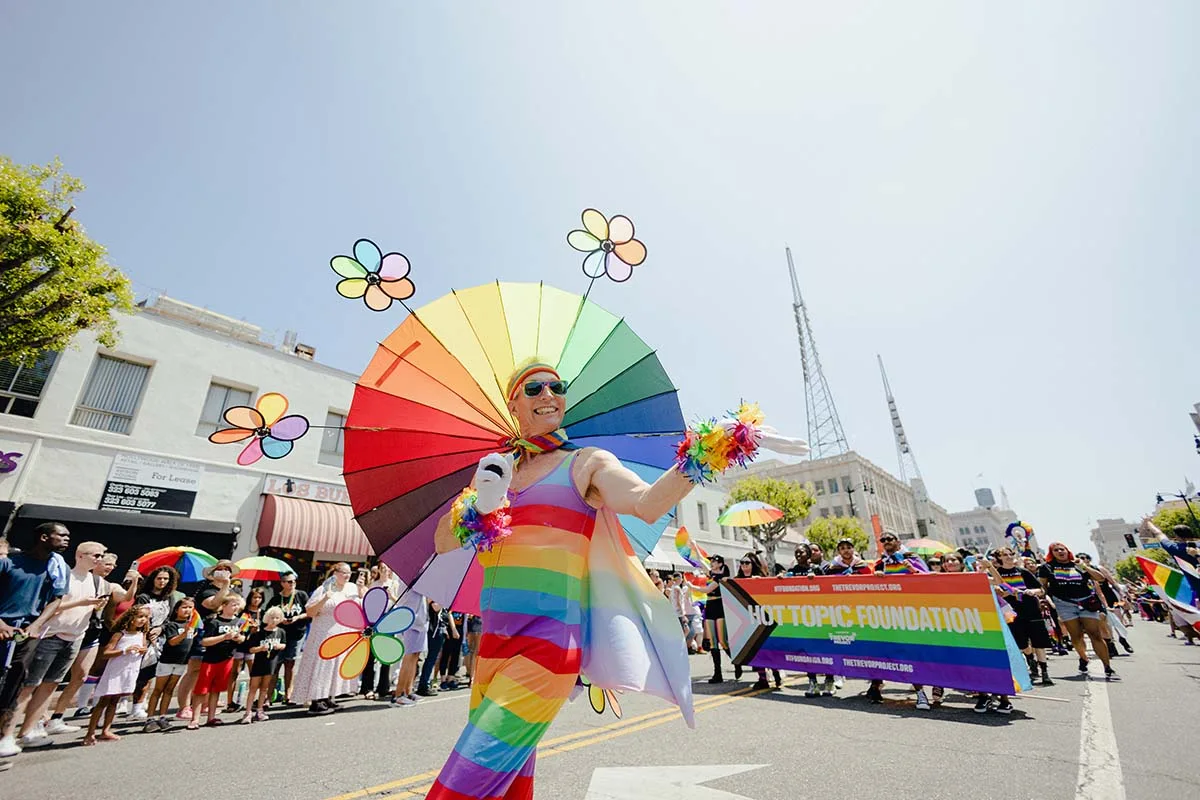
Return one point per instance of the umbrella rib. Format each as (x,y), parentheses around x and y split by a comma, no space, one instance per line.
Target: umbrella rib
(500,425)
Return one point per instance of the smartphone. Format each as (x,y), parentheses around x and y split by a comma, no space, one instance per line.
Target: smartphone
(134,565)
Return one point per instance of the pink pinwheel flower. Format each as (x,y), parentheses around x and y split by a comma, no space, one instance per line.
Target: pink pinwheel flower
(376,629)
(271,434)
(376,278)
(609,244)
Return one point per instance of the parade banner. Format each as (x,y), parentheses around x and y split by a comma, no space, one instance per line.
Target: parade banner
(934,630)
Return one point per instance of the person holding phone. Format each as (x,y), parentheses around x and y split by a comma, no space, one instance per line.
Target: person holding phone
(217,588)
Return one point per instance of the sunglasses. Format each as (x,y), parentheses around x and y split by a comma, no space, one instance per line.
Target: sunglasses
(534,388)
(889,539)
(747,563)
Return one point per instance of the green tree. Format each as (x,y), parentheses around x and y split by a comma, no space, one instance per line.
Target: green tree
(826,532)
(789,497)
(1168,518)
(54,280)
(1128,568)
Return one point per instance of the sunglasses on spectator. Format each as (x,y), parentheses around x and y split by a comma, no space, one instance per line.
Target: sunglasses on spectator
(534,388)
(888,539)
(746,562)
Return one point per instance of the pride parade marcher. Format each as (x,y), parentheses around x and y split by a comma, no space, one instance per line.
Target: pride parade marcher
(1069,583)
(550,518)
(894,562)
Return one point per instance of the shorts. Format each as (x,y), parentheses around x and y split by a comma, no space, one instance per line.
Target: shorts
(52,660)
(695,625)
(1068,611)
(475,625)
(292,648)
(238,655)
(714,612)
(416,641)
(170,670)
(13,677)
(145,676)
(214,677)
(1030,633)
(262,667)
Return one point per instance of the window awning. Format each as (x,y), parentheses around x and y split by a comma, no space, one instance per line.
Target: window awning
(298,524)
(667,558)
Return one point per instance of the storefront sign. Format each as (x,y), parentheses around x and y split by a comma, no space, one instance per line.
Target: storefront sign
(8,462)
(306,490)
(150,485)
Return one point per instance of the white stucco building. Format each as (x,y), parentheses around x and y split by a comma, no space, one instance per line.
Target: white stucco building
(1109,542)
(850,485)
(95,430)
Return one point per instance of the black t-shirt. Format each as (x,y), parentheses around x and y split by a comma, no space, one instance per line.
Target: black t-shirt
(1019,579)
(206,591)
(174,653)
(268,638)
(222,651)
(808,569)
(1067,582)
(292,607)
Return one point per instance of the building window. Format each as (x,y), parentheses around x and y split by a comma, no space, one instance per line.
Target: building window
(825,512)
(111,396)
(846,482)
(21,385)
(702,513)
(333,439)
(833,486)
(725,534)
(837,511)
(820,488)
(219,398)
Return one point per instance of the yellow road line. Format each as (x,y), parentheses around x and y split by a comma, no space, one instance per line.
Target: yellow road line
(566,743)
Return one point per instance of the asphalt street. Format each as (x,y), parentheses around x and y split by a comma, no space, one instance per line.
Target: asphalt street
(1134,738)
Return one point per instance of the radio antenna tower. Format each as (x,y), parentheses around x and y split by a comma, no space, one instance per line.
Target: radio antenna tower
(825,434)
(910,473)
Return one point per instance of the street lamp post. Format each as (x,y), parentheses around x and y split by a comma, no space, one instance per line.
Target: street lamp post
(1184,498)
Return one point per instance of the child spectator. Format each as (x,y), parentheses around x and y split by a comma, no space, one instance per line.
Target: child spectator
(222,633)
(241,654)
(177,636)
(266,648)
(130,641)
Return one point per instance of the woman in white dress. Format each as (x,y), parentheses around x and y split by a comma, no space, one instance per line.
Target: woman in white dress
(317,679)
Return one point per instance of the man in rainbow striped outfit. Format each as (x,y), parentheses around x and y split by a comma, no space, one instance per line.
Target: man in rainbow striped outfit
(562,591)
(894,562)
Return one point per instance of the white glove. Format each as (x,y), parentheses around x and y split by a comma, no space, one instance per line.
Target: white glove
(492,479)
(770,439)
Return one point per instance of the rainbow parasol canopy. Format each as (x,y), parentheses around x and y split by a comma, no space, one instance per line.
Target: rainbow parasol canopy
(927,547)
(190,562)
(263,568)
(749,513)
(431,403)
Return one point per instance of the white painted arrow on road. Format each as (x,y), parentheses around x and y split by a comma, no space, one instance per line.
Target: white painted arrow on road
(664,783)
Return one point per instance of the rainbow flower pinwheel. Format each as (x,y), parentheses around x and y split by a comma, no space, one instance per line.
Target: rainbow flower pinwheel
(272,432)
(378,279)
(375,631)
(600,698)
(609,244)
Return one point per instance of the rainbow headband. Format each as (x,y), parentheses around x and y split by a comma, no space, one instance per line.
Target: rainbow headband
(518,379)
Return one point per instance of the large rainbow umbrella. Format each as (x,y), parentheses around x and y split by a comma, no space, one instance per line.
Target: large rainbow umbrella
(431,403)
(749,513)
(190,562)
(927,547)
(263,568)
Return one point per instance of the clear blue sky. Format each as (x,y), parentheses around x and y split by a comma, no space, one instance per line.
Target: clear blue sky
(1000,200)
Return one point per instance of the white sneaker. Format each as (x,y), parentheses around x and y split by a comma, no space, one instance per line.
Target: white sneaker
(123,708)
(838,682)
(922,700)
(139,713)
(404,700)
(35,740)
(57,726)
(9,747)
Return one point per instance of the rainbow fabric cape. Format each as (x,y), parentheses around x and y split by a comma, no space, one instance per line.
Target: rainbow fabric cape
(936,630)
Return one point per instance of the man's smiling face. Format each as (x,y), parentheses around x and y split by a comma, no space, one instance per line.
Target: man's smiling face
(543,412)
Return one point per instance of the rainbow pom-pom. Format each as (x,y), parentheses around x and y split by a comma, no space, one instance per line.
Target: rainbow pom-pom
(473,529)
(711,447)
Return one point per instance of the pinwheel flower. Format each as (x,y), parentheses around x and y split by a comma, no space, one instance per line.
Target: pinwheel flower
(609,244)
(376,629)
(271,433)
(376,278)
(599,698)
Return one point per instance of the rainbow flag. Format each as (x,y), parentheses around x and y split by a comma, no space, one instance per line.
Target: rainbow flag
(689,550)
(936,630)
(1173,582)
(697,584)
(195,621)
(1190,573)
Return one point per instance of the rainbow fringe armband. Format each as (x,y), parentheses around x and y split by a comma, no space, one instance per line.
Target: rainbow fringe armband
(709,448)
(473,529)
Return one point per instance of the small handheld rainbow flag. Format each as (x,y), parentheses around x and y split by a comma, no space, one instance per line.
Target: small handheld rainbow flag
(195,621)
(689,550)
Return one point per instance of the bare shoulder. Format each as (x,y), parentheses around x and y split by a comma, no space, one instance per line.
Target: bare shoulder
(589,461)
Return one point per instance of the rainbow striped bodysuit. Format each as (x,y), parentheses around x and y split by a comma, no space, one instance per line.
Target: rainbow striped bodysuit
(533,602)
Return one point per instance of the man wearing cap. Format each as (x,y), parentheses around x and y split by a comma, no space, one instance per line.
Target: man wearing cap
(897,561)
